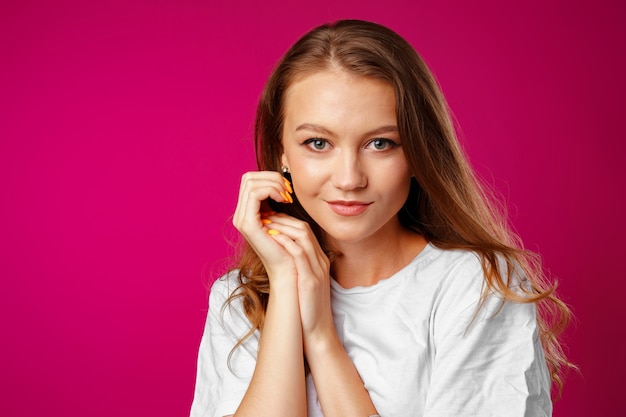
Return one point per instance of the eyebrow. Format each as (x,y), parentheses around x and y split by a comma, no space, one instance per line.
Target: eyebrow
(321,129)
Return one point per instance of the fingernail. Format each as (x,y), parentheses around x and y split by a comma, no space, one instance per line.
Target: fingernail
(266,221)
(286,196)
(273,232)
(287,185)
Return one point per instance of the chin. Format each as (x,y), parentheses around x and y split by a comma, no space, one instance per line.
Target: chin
(347,236)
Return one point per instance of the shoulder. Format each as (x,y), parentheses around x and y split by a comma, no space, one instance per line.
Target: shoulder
(223,288)
(459,284)
(461,267)
(226,309)
(462,289)
(451,260)
(227,283)
(453,270)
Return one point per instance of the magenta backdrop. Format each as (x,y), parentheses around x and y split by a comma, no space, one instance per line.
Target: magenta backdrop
(124,129)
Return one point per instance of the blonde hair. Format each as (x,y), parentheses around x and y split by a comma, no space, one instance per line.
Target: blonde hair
(447,204)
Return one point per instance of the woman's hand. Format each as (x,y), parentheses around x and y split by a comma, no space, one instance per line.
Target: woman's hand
(287,247)
(313,274)
(250,219)
(339,387)
(299,317)
(277,387)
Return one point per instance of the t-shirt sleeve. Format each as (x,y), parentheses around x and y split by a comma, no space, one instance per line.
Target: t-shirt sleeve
(489,363)
(220,383)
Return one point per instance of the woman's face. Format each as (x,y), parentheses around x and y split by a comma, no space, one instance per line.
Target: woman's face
(343,149)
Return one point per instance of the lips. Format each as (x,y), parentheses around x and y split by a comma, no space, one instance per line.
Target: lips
(348,208)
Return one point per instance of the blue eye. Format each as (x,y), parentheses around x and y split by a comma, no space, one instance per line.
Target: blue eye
(316,143)
(383,144)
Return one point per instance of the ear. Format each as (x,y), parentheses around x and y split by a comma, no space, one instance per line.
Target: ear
(283,160)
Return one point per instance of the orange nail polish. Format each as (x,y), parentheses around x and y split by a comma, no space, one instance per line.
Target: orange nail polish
(273,232)
(287,185)
(266,221)
(285,195)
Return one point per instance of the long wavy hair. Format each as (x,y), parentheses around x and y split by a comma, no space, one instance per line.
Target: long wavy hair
(447,203)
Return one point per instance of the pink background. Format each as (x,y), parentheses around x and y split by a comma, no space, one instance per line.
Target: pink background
(124,129)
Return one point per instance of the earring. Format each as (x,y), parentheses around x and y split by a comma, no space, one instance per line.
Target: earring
(287,181)
(286,173)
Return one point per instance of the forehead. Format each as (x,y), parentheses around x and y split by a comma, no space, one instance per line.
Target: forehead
(336,96)
(337,76)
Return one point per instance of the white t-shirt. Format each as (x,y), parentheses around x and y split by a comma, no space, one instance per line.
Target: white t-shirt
(415,340)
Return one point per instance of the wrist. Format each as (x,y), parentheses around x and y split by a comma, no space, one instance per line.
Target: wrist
(322,344)
(280,280)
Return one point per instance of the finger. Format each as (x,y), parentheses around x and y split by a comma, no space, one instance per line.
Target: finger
(250,182)
(297,229)
(301,234)
(297,252)
(256,187)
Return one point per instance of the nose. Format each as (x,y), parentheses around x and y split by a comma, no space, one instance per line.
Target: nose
(348,173)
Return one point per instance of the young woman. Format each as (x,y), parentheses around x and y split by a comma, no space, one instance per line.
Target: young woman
(377,277)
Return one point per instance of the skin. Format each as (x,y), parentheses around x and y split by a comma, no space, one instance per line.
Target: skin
(348,169)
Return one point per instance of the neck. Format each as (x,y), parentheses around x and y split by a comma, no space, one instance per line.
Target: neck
(367,262)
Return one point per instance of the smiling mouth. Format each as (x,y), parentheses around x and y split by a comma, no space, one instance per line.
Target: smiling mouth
(348,208)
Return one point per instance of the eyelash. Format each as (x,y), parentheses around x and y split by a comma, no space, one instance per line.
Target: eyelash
(311,143)
(390,143)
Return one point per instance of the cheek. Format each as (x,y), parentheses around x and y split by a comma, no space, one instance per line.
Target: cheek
(307,177)
(303,183)
(402,190)
(398,177)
